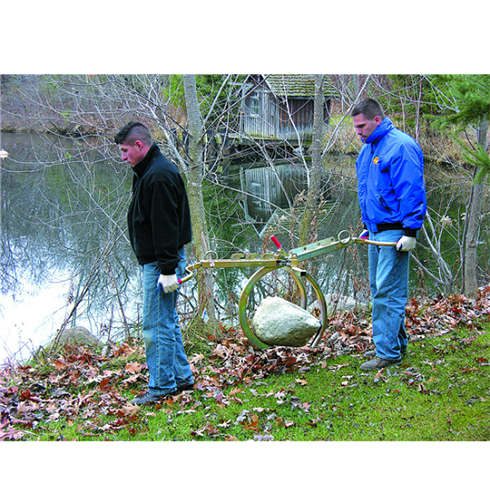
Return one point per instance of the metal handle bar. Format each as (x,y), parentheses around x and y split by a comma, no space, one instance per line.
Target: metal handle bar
(186,278)
(372,242)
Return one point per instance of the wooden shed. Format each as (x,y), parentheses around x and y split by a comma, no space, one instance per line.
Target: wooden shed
(280,107)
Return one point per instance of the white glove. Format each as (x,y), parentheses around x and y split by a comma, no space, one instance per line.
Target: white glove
(406,243)
(364,235)
(167,284)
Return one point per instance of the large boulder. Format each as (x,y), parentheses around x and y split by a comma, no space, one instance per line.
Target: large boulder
(279,322)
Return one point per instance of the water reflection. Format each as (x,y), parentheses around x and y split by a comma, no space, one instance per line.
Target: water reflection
(63,227)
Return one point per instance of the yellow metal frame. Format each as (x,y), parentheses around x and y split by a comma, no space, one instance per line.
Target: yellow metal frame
(269,262)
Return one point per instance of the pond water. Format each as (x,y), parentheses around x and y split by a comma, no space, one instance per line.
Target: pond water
(66,257)
(62,222)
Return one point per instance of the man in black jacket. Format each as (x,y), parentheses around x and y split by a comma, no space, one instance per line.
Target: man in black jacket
(159,226)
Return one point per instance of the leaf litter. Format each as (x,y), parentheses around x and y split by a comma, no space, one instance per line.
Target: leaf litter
(89,390)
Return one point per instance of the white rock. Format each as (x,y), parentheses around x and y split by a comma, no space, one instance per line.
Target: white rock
(279,322)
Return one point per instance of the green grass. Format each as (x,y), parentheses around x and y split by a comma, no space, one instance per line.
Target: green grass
(441,392)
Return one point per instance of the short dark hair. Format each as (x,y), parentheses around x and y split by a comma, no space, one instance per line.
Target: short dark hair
(370,108)
(132,132)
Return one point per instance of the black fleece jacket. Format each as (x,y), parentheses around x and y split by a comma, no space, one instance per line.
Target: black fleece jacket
(159,220)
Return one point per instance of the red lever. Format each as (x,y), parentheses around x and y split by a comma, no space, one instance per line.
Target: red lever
(276,241)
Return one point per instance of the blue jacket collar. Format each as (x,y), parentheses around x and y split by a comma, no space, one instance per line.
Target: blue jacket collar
(385,127)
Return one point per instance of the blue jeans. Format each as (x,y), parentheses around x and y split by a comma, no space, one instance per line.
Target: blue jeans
(388,279)
(165,355)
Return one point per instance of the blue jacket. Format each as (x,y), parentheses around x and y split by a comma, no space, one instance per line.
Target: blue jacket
(391,185)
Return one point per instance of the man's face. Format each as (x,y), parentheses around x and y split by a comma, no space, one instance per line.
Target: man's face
(133,154)
(365,127)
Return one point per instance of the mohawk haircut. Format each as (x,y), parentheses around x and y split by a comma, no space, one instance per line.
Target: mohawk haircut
(132,132)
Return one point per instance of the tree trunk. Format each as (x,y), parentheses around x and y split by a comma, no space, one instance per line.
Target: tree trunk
(307,232)
(470,270)
(195,174)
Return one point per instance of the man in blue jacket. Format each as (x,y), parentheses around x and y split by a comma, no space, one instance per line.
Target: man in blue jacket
(159,226)
(392,198)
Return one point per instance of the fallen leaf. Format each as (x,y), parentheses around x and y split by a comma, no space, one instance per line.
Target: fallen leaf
(59,365)
(104,384)
(133,367)
(196,359)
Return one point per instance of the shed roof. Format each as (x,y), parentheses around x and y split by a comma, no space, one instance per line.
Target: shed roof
(297,86)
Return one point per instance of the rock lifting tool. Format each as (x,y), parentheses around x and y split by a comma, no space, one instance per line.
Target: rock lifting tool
(289,262)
